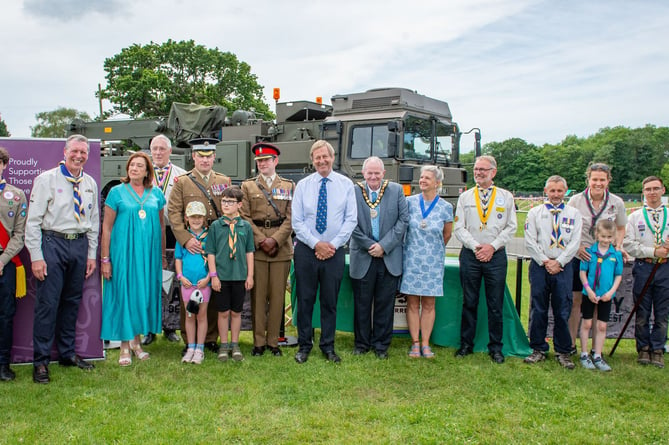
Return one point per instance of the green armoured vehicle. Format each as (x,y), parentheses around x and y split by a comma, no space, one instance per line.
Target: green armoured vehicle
(400,126)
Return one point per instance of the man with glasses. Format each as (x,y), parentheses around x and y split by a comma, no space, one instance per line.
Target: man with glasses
(646,240)
(266,205)
(485,221)
(206,186)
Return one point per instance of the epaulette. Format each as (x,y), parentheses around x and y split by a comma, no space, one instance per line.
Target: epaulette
(285,179)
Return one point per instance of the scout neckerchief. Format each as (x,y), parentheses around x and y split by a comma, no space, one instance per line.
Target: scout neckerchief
(654,224)
(483,199)
(78,210)
(594,216)
(556,234)
(232,235)
(162,175)
(373,204)
(202,238)
(20,270)
(598,269)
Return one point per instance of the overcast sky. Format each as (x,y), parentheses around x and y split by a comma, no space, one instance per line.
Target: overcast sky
(537,70)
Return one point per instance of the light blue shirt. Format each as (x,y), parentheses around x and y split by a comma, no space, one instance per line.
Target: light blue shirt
(342,211)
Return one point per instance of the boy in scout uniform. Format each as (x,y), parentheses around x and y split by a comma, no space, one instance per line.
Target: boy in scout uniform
(266,205)
(13,207)
(204,185)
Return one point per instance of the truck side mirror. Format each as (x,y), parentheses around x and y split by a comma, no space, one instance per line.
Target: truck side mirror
(392,144)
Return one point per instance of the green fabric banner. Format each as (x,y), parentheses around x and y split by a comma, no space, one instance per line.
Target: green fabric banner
(448,314)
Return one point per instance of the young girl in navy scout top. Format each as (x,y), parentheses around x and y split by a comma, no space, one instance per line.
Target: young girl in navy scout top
(601,277)
(193,275)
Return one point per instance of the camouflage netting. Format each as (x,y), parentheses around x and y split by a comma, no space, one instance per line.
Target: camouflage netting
(189,121)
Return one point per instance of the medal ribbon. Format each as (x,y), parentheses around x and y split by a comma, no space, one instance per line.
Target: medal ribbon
(162,173)
(556,234)
(594,216)
(424,212)
(232,235)
(78,210)
(482,203)
(656,228)
(135,196)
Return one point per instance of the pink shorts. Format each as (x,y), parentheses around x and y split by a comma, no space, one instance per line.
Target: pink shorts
(186,293)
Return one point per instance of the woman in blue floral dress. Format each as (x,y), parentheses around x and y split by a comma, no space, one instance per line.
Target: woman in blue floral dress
(430,225)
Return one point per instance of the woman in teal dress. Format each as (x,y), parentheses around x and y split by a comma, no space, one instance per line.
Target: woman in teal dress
(131,248)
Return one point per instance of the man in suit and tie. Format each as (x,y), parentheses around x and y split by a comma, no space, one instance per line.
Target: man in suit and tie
(323,218)
(376,257)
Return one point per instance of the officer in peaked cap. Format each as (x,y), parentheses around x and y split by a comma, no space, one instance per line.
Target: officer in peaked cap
(204,185)
(204,146)
(267,206)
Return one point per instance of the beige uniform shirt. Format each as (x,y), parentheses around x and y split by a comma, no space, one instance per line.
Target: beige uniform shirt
(538,231)
(185,191)
(51,208)
(13,211)
(501,225)
(639,238)
(255,207)
(614,211)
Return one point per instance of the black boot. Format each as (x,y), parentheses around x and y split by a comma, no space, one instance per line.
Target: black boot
(148,338)
(6,373)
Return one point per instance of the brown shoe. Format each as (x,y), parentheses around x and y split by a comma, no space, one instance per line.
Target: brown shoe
(657,358)
(644,356)
(565,361)
(535,357)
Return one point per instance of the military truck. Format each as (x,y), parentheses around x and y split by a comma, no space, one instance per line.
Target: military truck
(405,129)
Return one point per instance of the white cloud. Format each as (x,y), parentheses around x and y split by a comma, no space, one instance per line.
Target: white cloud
(538,70)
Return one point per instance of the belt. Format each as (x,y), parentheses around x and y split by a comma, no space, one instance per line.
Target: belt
(267,223)
(654,260)
(67,236)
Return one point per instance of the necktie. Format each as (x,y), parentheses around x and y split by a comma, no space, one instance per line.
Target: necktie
(322,209)
(375,220)
(78,210)
(2,184)
(268,181)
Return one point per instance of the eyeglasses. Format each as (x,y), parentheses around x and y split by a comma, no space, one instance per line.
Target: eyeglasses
(483,169)
(227,202)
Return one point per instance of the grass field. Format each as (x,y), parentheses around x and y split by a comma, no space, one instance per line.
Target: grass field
(272,400)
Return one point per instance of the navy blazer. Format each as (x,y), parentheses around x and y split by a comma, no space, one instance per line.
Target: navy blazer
(393,223)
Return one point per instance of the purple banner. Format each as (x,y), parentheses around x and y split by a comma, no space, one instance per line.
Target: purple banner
(29,158)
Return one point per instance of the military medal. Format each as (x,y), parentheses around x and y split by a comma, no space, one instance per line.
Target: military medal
(142,214)
(425,213)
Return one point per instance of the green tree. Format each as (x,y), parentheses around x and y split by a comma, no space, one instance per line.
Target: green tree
(54,124)
(145,80)
(4,132)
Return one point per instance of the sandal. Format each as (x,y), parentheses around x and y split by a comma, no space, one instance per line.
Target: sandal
(139,352)
(414,352)
(125,358)
(427,352)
